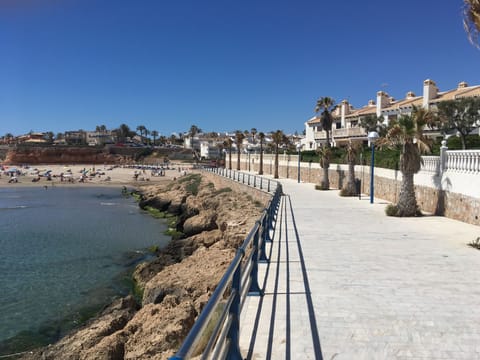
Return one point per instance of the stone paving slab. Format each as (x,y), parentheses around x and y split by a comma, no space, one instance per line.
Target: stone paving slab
(380,287)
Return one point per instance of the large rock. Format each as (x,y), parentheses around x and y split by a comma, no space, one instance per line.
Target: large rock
(157,329)
(194,276)
(205,221)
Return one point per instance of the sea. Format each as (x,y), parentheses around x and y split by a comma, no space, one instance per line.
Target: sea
(66,252)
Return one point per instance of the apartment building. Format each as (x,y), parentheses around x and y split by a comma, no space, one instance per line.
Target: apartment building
(347,118)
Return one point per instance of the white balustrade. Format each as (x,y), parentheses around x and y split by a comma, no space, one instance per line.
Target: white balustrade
(466,161)
(431,164)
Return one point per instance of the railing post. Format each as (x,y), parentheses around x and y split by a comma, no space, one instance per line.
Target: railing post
(248,180)
(254,287)
(234,331)
(261,181)
(265,238)
(254,181)
(268,188)
(443,156)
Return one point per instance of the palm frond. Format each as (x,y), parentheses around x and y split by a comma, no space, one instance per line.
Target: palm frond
(471,20)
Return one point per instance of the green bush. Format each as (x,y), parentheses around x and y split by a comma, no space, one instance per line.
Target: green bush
(193,180)
(455,143)
(223,190)
(391,210)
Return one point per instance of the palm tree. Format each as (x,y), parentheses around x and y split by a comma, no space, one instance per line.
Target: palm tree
(123,132)
(352,154)
(253,131)
(154,135)
(373,123)
(407,134)
(325,105)
(324,156)
(239,136)
(261,136)
(194,130)
(471,20)
(100,128)
(146,132)
(278,138)
(228,144)
(141,129)
(49,136)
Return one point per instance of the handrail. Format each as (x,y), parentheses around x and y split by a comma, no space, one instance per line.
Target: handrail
(256,181)
(223,342)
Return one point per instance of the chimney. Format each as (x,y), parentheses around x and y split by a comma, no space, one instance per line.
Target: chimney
(410,95)
(462,85)
(371,103)
(344,110)
(382,101)
(430,92)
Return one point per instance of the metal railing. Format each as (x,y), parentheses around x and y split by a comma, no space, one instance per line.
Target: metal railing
(255,181)
(215,334)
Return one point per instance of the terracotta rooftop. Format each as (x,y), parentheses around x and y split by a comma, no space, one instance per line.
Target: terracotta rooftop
(414,101)
(366,110)
(469,91)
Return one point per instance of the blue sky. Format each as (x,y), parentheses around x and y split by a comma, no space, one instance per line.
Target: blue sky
(219,64)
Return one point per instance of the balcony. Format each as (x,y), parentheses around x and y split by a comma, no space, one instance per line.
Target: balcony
(349,132)
(343,133)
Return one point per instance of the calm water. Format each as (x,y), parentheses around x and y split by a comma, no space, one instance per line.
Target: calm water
(63,250)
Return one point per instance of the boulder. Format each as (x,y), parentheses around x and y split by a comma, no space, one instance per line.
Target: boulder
(205,221)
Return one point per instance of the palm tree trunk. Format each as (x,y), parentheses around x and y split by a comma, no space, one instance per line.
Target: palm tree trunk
(230,159)
(238,160)
(276,163)
(350,186)
(407,203)
(260,170)
(325,184)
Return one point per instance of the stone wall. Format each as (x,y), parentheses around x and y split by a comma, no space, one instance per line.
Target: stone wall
(451,194)
(221,182)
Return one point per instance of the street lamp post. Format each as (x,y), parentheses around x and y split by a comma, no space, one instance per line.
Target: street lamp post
(299,147)
(372,137)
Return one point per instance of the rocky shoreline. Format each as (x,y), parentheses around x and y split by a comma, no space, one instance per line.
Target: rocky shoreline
(212,218)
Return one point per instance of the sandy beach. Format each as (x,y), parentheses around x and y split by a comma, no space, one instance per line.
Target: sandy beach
(105,175)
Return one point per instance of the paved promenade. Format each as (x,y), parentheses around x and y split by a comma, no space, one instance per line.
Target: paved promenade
(347,282)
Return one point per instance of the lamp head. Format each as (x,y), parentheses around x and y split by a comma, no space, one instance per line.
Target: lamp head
(373,136)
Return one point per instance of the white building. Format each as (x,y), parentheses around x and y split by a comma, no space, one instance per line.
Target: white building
(347,118)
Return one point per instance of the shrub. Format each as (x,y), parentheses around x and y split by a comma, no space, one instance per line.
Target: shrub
(347,192)
(193,183)
(475,243)
(223,190)
(455,143)
(391,210)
